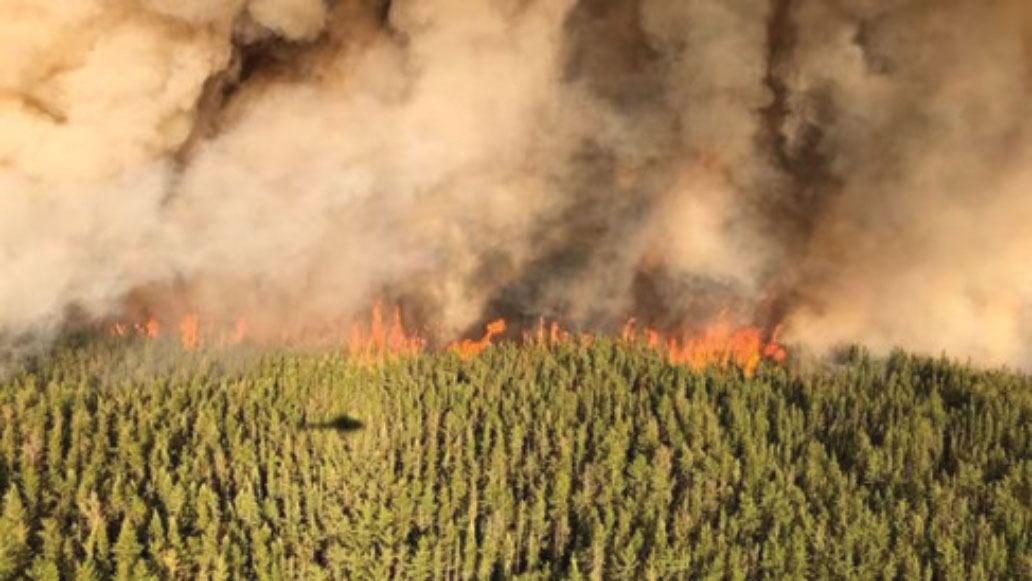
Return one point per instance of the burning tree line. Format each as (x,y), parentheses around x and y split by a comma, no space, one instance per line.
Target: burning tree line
(720,343)
(573,460)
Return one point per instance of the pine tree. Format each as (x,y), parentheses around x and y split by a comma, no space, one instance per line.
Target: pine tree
(126,552)
(87,571)
(43,569)
(14,536)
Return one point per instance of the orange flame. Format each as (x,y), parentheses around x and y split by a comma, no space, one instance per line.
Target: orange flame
(550,334)
(240,331)
(469,348)
(374,341)
(720,344)
(188,332)
(381,344)
(150,329)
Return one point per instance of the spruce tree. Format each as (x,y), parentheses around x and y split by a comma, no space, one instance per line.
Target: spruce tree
(126,552)
(14,536)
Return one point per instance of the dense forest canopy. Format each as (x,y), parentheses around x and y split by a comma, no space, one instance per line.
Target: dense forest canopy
(568,461)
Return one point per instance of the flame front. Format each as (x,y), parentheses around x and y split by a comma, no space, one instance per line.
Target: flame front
(719,344)
(379,343)
(723,345)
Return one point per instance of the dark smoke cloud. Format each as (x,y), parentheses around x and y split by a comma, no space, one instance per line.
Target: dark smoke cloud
(853,170)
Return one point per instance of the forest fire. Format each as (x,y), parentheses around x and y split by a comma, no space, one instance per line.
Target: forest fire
(721,343)
(469,347)
(381,341)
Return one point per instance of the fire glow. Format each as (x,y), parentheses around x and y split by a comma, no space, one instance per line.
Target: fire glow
(721,343)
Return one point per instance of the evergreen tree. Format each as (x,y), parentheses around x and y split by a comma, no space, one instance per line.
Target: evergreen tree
(126,552)
(14,536)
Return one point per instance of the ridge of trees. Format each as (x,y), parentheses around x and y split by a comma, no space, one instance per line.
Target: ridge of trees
(598,461)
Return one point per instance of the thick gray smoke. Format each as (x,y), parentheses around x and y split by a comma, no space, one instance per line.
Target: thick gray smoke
(850,169)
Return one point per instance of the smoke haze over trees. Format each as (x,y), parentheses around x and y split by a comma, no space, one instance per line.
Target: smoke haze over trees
(853,170)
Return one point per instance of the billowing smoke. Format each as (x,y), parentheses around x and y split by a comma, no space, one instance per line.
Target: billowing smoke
(852,170)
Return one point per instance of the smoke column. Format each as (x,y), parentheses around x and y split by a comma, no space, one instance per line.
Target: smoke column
(855,171)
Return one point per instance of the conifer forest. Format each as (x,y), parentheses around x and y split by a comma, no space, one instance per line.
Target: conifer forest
(579,460)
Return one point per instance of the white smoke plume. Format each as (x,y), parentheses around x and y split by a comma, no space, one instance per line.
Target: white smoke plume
(852,170)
